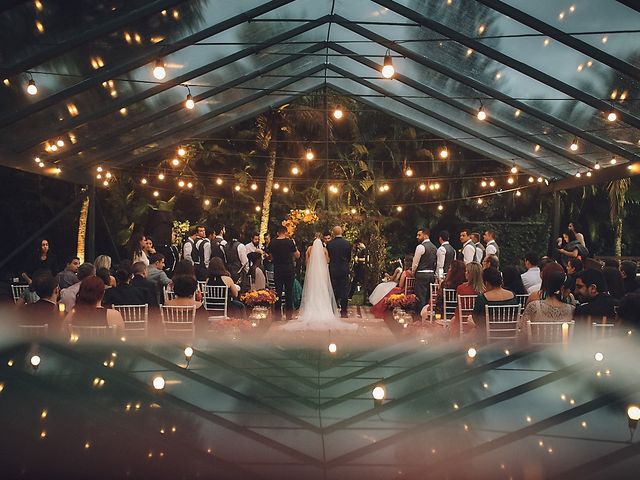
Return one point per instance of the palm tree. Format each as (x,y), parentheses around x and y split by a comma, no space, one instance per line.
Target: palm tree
(267,125)
(617,190)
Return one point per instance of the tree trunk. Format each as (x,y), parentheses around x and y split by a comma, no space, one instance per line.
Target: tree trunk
(82,228)
(617,190)
(617,241)
(268,192)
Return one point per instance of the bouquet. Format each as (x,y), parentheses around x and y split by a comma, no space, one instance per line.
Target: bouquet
(401,300)
(264,298)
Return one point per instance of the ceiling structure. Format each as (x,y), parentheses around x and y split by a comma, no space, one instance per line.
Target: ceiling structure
(547,73)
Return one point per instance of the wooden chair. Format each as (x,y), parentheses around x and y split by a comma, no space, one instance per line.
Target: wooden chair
(17,291)
(216,301)
(91,332)
(522,299)
(34,331)
(201,285)
(433,294)
(179,320)
(271,282)
(466,303)
(502,322)
(450,303)
(548,333)
(136,319)
(168,293)
(408,285)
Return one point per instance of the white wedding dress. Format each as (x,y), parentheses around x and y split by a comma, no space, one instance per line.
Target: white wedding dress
(318,309)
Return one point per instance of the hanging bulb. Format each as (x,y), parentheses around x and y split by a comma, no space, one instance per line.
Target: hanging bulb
(156,193)
(440,207)
(182,152)
(387,69)
(540,179)
(309,155)
(285,189)
(254,186)
(175,162)
(31,87)
(60,143)
(589,173)
(480,201)
(483,183)
(158,70)
(510,180)
(337,114)
(422,187)
(181,183)
(161,176)
(597,166)
(613,160)
(612,116)
(189,103)
(237,188)
(578,174)
(143,181)
(276,186)
(444,153)
(295,171)
(531,180)
(399,208)
(574,145)
(482,115)
(514,169)
(218,181)
(518,193)
(492,183)
(408,172)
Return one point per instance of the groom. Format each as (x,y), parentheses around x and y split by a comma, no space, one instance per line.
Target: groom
(339,256)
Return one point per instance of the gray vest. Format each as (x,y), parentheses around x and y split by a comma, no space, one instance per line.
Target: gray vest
(449,256)
(428,258)
(497,249)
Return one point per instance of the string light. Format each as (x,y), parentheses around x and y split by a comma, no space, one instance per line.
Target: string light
(540,179)
(258,208)
(333,189)
(387,66)
(483,183)
(237,188)
(98,169)
(161,176)
(190,185)
(285,189)
(159,71)
(444,153)
(613,160)
(105,183)
(254,186)
(60,143)
(353,211)
(588,173)
(492,183)
(422,187)
(207,202)
(514,169)
(518,193)
(181,183)
(35,361)
(182,152)
(612,116)
(510,181)
(108,175)
(578,174)
(158,382)
(189,103)
(218,181)
(378,393)
(399,208)
(31,87)
(175,162)
(440,207)
(295,170)
(574,145)
(143,181)
(596,166)
(309,155)
(480,201)
(276,186)
(409,172)
(333,348)
(337,114)
(531,180)
(482,115)
(472,352)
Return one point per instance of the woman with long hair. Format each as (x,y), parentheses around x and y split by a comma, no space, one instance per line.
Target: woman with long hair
(104,261)
(493,294)
(88,308)
(136,246)
(218,275)
(455,277)
(473,286)
(512,280)
(256,272)
(615,282)
(42,259)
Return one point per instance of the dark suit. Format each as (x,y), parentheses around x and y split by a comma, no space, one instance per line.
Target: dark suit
(40,313)
(124,294)
(339,257)
(149,288)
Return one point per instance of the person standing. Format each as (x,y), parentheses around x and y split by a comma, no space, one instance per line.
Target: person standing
(203,248)
(445,254)
(236,254)
(42,260)
(218,243)
(283,252)
(359,266)
(492,248)
(254,244)
(468,248)
(475,237)
(190,245)
(423,267)
(339,256)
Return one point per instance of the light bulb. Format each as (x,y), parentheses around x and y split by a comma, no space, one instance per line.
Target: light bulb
(105,183)
(480,201)
(598,356)
(422,187)
(492,183)
(35,361)
(108,175)
(613,161)
(408,172)
(436,186)
(189,185)
(175,162)
(378,393)
(440,207)
(143,181)
(514,169)
(399,208)
(161,176)
(98,169)
(189,102)
(597,166)
(218,181)
(188,353)
(634,412)
(158,70)
(354,211)
(574,145)
(510,181)
(31,87)
(482,115)
(207,202)
(589,173)
(337,114)
(237,188)
(444,153)
(60,143)
(37,159)
(483,183)
(531,180)
(285,189)
(182,152)
(472,352)
(612,116)
(540,179)
(158,382)
(518,193)
(156,193)
(276,186)
(295,170)
(309,155)
(181,183)
(254,186)
(57,170)
(387,69)
(53,148)
(333,348)
(258,208)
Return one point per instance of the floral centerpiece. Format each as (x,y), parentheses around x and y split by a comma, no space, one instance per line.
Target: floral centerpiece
(298,216)
(401,300)
(259,298)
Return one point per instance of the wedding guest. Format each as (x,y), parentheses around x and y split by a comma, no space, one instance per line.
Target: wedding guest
(69,275)
(491,261)
(136,247)
(359,267)
(423,267)
(258,279)
(380,306)
(104,275)
(572,226)
(42,259)
(546,272)
(68,295)
(30,296)
(445,254)
(88,310)
(492,247)
(149,249)
(480,250)
(591,289)
(531,279)
(218,243)
(201,254)
(339,257)
(124,293)
(574,265)
(326,237)
(551,306)
(473,286)
(468,247)
(615,283)
(157,275)
(389,281)
(139,271)
(218,275)
(184,288)
(236,253)
(45,310)
(104,261)
(493,294)
(184,267)
(283,252)
(512,280)
(254,244)
(629,270)
(454,278)
(189,246)
(571,247)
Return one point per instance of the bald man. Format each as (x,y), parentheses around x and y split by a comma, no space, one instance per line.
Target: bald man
(339,258)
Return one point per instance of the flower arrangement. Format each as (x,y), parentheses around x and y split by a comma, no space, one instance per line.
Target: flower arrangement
(259,298)
(179,232)
(298,216)
(401,300)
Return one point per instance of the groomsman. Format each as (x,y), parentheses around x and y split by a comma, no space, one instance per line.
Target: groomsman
(339,257)
(284,253)
(423,266)
(444,255)
(492,246)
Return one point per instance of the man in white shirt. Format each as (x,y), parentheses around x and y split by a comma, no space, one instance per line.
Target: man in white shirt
(468,248)
(492,247)
(189,245)
(424,263)
(531,278)
(254,244)
(444,255)
(475,237)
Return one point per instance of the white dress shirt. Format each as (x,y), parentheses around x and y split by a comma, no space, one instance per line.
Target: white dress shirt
(491,247)
(186,251)
(531,279)
(468,251)
(479,254)
(242,255)
(416,256)
(441,253)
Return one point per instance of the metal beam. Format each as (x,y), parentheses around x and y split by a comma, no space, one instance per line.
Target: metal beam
(465,108)
(562,37)
(633,4)
(114,106)
(160,50)
(87,35)
(134,123)
(605,174)
(511,62)
(441,118)
(188,126)
(482,87)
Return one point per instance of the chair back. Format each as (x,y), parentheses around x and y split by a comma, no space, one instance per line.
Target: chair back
(271,281)
(601,328)
(450,303)
(216,300)
(179,320)
(34,331)
(408,284)
(501,322)
(522,298)
(136,318)
(548,333)
(466,303)
(433,294)
(168,293)
(17,291)
(94,332)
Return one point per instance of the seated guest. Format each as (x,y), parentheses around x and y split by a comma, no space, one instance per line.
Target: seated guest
(185,288)
(258,279)
(512,280)
(45,310)
(491,261)
(156,273)
(124,293)
(591,290)
(389,282)
(30,296)
(455,277)
(219,275)
(88,310)
(184,267)
(629,311)
(531,279)
(615,284)
(105,275)
(551,307)
(473,286)
(493,294)
(104,261)
(548,268)
(139,270)
(69,275)
(629,270)
(68,295)
(380,306)
(592,264)
(574,265)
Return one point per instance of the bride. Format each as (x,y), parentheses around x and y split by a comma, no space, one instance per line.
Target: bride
(318,309)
